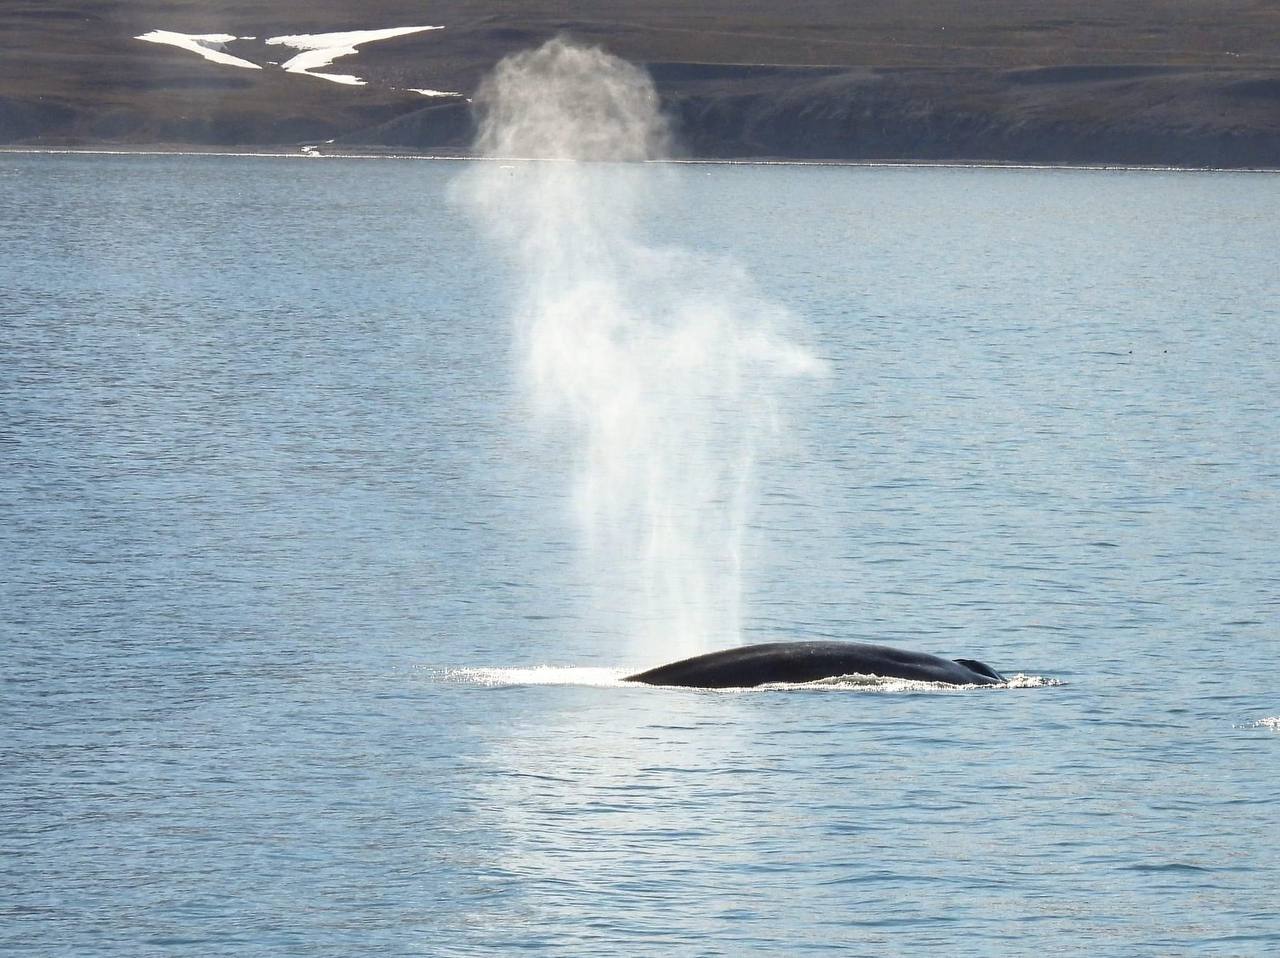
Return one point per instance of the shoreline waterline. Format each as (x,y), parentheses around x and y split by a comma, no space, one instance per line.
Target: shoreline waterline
(686,161)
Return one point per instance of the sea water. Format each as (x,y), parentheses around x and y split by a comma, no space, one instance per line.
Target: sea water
(293,626)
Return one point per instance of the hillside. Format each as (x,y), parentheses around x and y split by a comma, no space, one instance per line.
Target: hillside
(1167,82)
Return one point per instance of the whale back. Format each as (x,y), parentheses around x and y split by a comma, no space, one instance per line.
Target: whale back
(794,662)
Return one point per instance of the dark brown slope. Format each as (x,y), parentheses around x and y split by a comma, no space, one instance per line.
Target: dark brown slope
(1181,82)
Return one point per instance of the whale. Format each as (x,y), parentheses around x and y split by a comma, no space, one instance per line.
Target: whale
(747,666)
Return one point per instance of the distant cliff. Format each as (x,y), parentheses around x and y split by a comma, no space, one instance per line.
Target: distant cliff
(1115,114)
(1096,115)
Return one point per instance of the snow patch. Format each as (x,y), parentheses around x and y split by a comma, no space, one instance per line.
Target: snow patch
(433,92)
(321,49)
(208,45)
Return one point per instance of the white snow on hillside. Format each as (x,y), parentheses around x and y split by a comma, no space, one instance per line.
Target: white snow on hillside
(321,49)
(208,45)
(433,92)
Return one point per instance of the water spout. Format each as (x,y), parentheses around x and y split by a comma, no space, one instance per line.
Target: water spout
(661,364)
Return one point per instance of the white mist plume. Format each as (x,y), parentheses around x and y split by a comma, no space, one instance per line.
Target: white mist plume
(662,364)
(567,102)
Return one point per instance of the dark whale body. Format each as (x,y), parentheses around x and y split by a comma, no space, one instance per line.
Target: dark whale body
(751,665)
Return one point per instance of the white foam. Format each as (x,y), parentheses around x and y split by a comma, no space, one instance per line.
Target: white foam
(321,49)
(537,675)
(1021,681)
(1272,723)
(208,45)
(858,682)
(433,92)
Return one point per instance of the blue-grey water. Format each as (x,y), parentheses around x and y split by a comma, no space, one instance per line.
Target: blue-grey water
(280,557)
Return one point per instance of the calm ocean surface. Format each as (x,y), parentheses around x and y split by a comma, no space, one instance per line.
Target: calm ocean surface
(280,559)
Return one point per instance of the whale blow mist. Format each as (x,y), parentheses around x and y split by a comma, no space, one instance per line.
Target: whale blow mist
(658,367)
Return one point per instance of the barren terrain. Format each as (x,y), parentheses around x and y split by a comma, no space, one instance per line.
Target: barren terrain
(1164,82)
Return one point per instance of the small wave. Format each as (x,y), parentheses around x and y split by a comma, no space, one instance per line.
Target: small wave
(1272,723)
